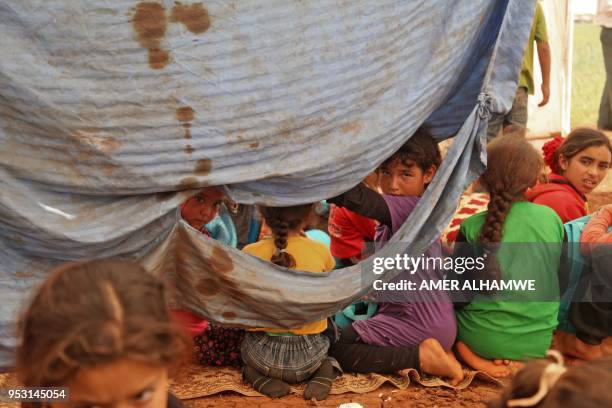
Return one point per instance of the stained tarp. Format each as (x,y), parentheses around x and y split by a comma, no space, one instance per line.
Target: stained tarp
(111,112)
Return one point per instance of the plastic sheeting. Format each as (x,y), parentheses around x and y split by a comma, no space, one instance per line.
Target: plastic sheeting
(111,112)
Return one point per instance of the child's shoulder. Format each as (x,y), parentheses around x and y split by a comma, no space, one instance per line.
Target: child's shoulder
(258,246)
(314,255)
(401,206)
(399,199)
(474,221)
(537,215)
(310,243)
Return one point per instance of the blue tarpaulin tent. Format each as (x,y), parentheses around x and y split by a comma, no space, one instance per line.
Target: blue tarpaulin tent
(111,113)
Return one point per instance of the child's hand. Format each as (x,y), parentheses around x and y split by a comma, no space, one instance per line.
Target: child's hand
(596,231)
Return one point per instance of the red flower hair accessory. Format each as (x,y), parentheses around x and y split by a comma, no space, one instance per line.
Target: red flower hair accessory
(549,153)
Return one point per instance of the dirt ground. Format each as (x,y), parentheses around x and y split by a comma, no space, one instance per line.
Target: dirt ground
(387,396)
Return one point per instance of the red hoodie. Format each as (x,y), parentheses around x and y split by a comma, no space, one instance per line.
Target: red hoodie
(561,196)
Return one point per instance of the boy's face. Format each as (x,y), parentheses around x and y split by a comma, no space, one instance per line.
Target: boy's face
(201,208)
(404,179)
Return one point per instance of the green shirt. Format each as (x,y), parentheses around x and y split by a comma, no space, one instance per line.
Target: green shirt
(532,237)
(538,34)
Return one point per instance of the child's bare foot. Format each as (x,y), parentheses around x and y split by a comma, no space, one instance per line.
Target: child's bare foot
(456,363)
(497,370)
(434,360)
(568,343)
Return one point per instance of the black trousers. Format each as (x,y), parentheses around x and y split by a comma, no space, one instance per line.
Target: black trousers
(355,356)
(591,308)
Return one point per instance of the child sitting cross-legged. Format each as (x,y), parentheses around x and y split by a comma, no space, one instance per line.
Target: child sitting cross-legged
(275,358)
(404,333)
(519,241)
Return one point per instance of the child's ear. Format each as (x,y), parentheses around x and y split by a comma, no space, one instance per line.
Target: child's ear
(563,162)
(429,174)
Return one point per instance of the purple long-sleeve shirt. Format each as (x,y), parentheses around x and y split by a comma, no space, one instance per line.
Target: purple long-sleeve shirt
(418,315)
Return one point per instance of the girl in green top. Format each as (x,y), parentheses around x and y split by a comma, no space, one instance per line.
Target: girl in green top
(496,327)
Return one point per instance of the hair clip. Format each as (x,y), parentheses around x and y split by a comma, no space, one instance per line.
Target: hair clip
(549,377)
(280,251)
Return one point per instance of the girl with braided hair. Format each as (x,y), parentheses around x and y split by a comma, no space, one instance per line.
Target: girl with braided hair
(101,328)
(578,164)
(274,358)
(494,329)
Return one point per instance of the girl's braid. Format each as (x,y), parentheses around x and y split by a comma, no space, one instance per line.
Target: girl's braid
(491,232)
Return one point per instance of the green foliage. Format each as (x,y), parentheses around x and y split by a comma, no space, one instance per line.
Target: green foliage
(588,74)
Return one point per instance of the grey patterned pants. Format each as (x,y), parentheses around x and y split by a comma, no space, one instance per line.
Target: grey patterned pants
(291,359)
(517,115)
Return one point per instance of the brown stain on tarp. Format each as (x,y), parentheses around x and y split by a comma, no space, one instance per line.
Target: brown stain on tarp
(194,17)
(220,261)
(352,127)
(158,58)
(150,24)
(286,127)
(110,168)
(207,287)
(229,315)
(185,114)
(254,145)
(164,195)
(97,138)
(202,167)
(110,144)
(235,136)
(188,183)
(189,149)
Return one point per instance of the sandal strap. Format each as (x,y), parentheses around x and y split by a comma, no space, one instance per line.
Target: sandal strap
(324,384)
(320,383)
(260,387)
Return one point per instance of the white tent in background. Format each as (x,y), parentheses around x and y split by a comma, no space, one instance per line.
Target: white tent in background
(555,117)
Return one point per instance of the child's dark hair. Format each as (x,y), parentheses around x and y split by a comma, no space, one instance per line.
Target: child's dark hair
(420,148)
(91,313)
(578,140)
(513,166)
(281,220)
(544,384)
